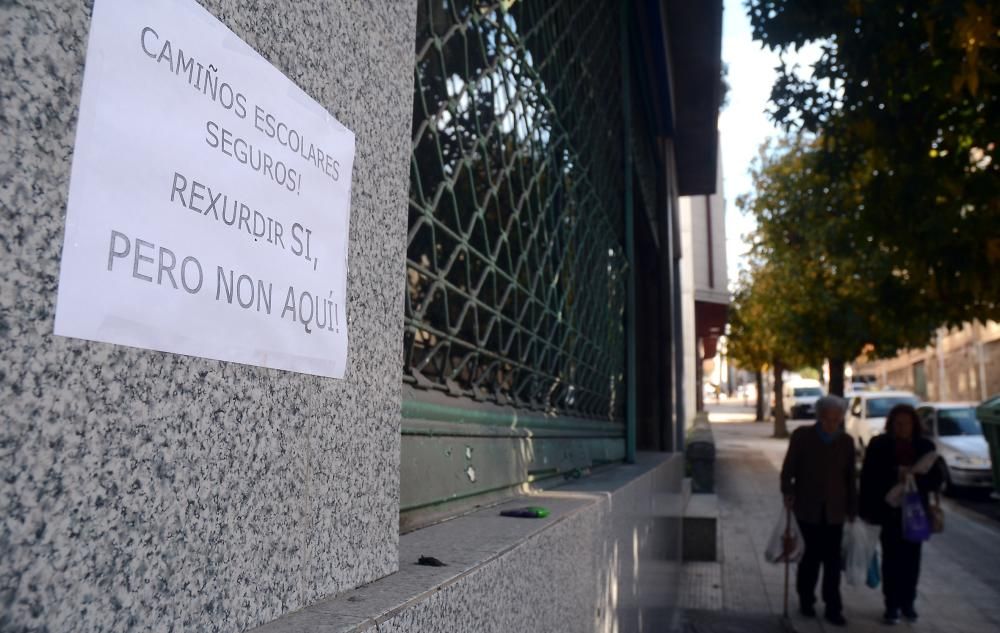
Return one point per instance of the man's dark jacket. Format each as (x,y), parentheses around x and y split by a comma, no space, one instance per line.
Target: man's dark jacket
(881,472)
(821,476)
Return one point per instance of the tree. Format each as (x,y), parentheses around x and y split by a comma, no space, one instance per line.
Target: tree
(757,335)
(746,342)
(835,283)
(910,96)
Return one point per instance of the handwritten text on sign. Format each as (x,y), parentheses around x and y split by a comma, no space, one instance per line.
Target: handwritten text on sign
(209,199)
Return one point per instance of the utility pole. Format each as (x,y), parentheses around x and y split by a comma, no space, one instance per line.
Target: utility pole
(942,378)
(977,338)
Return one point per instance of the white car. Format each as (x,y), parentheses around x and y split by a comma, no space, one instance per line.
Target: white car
(958,438)
(800,397)
(867,411)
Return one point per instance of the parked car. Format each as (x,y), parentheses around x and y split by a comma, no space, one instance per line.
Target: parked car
(866,415)
(958,436)
(800,397)
(863,382)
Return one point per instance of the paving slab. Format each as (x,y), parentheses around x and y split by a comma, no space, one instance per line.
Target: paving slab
(701,586)
(699,621)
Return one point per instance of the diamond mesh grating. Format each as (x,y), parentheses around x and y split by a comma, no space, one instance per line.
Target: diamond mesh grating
(515,265)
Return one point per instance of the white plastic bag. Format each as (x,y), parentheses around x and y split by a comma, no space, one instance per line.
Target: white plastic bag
(860,540)
(779,548)
(895,495)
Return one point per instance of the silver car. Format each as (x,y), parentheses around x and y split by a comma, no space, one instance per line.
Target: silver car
(958,436)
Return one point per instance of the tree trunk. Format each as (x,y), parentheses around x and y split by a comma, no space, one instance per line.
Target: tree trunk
(759,378)
(780,427)
(837,377)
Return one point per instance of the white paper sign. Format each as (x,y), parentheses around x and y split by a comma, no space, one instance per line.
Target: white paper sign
(209,198)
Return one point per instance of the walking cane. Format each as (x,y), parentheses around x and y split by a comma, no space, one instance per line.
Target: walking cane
(786,546)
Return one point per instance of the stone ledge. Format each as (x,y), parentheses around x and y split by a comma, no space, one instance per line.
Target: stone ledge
(700,452)
(466,544)
(700,531)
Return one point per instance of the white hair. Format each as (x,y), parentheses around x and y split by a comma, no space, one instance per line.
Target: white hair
(830,402)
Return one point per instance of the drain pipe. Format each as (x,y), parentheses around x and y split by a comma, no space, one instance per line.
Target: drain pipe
(631,400)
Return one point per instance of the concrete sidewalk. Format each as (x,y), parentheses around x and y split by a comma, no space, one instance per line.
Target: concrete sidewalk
(699,621)
(959,588)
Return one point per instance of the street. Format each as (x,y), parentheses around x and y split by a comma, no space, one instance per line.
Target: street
(978,502)
(960,581)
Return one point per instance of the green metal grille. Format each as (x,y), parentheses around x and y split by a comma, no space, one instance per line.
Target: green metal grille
(515,262)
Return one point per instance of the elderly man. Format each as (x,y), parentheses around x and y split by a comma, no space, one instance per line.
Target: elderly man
(818,482)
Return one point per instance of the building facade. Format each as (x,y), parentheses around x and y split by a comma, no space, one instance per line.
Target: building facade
(705,285)
(962,365)
(515,312)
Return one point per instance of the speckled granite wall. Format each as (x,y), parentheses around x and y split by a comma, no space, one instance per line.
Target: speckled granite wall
(607,558)
(155,492)
(612,565)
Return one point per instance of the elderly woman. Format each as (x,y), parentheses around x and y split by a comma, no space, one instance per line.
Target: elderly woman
(889,460)
(818,482)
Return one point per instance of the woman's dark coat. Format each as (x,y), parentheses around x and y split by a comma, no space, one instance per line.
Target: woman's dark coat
(880,473)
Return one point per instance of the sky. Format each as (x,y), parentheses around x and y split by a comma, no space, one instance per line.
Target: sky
(743,124)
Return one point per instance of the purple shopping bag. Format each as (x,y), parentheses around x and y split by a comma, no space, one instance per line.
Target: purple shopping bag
(916,525)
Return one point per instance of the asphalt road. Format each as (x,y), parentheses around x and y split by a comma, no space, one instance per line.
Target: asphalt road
(977,502)
(972,536)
